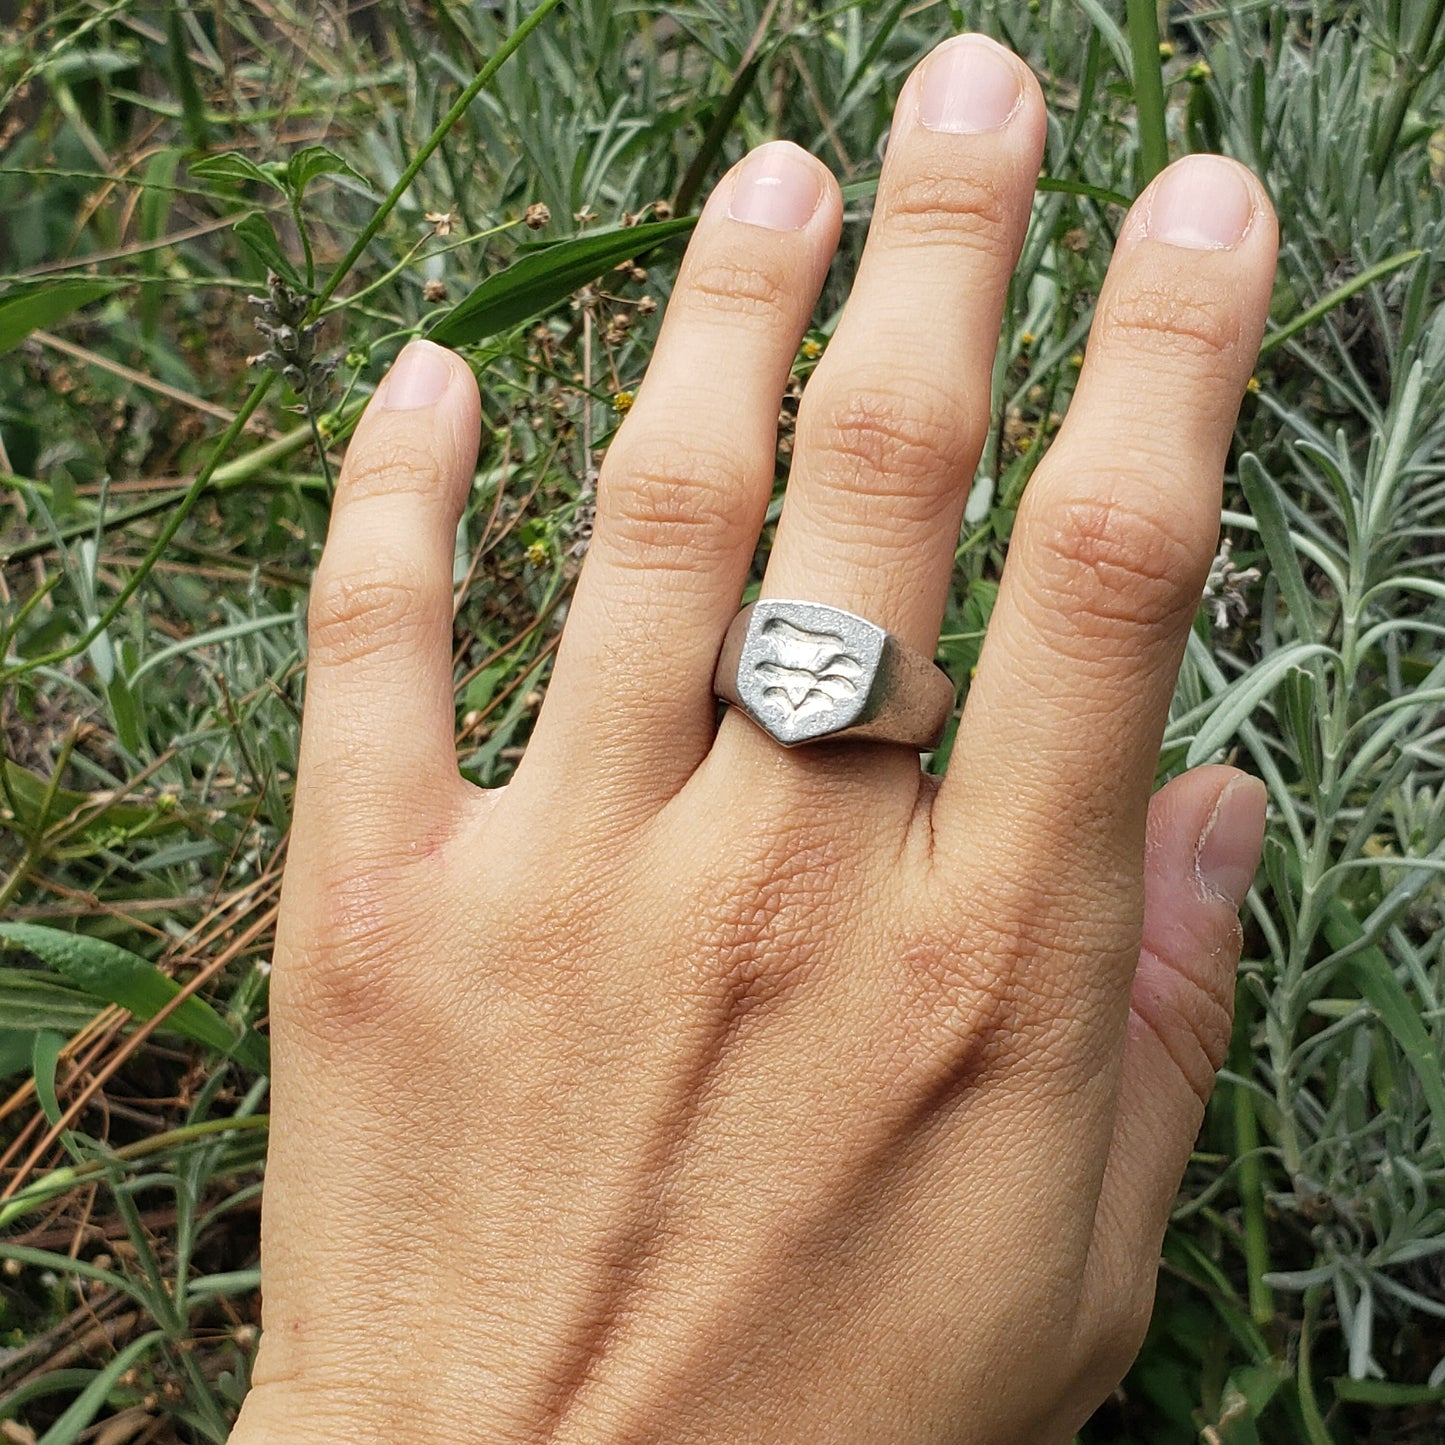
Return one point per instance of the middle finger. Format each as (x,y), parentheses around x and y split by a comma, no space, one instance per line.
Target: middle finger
(892,424)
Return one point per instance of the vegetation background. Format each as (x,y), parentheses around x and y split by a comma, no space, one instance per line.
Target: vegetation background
(165,496)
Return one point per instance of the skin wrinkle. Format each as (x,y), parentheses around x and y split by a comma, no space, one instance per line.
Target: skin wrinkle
(741,1095)
(745,930)
(830,1229)
(1163,318)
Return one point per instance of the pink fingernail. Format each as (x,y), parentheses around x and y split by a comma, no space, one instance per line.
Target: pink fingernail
(1200,202)
(1227,855)
(778,187)
(969,84)
(417,378)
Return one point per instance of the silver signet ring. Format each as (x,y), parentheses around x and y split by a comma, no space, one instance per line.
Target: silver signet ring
(803,672)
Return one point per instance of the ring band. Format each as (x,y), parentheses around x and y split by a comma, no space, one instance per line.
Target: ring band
(803,672)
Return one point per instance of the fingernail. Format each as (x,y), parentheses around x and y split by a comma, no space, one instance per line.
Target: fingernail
(1227,855)
(1201,202)
(969,84)
(778,187)
(417,378)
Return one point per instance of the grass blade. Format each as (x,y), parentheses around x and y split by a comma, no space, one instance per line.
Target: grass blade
(1263,498)
(88,1404)
(1148,91)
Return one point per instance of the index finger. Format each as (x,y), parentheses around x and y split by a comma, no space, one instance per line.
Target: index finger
(1114,539)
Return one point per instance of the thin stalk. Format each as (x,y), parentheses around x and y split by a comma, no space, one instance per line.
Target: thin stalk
(197,488)
(1251,1183)
(67,1177)
(459,109)
(1148,90)
(182,509)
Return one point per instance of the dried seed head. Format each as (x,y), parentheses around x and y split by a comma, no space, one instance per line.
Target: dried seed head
(1223,595)
(434,290)
(647,306)
(441,222)
(537,215)
(292,349)
(662,210)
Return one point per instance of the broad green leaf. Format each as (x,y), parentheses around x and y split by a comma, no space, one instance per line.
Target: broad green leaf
(313,161)
(256,234)
(37,307)
(107,823)
(91,1400)
(542,279)
(233,166)
(108,972)
(31,1000)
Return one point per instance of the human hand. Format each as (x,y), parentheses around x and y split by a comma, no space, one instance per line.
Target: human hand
(690,1089)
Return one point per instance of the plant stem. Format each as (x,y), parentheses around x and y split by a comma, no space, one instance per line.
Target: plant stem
(1399,95)
(1148,91)
(258,392)
(403,184)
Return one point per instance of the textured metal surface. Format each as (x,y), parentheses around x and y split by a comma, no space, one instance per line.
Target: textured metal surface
(803,672)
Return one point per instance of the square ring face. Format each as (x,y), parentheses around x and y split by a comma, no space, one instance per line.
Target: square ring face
(807,670)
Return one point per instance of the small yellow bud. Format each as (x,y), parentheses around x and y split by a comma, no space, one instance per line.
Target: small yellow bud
(537,554)
(622,402)
(1166,50)
(1027,338)
(1252,384)
(811,349)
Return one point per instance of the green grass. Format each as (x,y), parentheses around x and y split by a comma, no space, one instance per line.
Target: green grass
(164,503)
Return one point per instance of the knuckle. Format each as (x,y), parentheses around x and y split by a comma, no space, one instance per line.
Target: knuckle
(766,914)
(736,285)
(974,208)
(678,518)
(1169,323)
(904,446)
(354,613)
(1099,561)
(1122,1331)
(339,983)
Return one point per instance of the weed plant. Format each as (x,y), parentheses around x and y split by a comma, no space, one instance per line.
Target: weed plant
(515,180)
